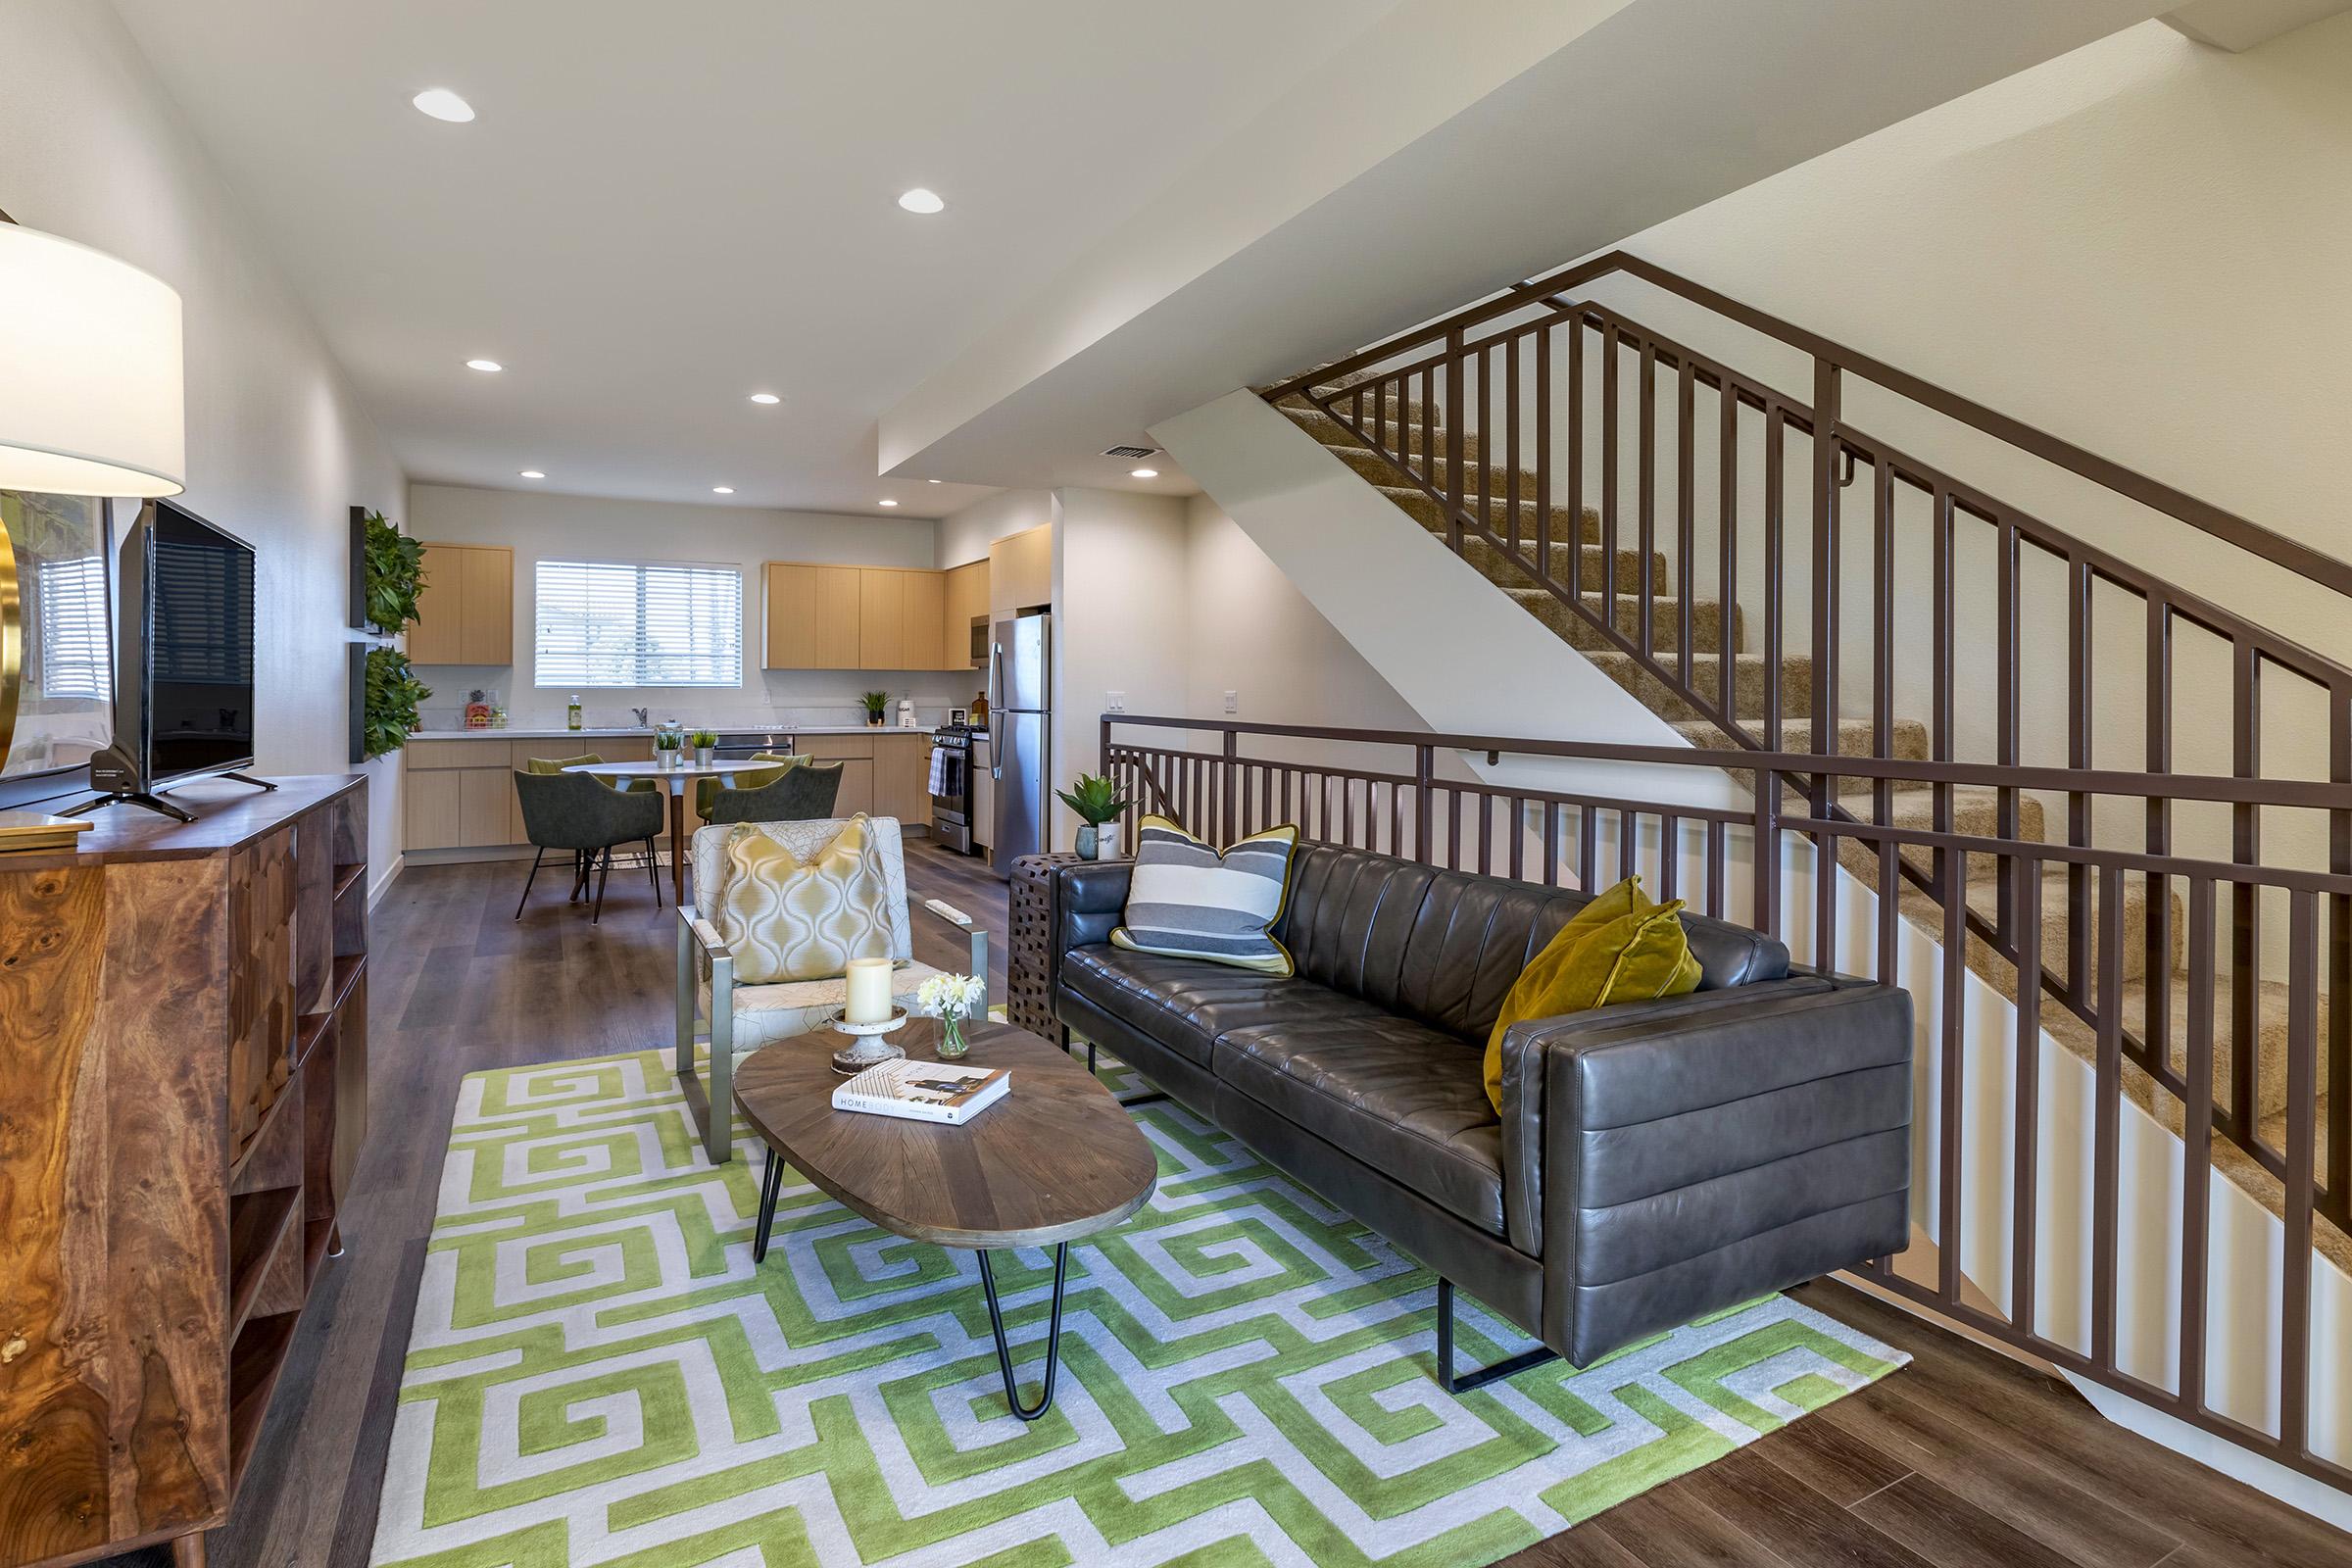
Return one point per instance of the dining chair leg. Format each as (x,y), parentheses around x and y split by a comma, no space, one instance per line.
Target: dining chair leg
(653,872)
(528,881)
(604,876)
(579,875)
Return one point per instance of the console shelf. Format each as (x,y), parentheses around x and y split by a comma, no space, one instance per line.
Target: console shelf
(210,1079)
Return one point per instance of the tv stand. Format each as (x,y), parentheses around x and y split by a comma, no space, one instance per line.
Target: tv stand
(153,803)
(247,778)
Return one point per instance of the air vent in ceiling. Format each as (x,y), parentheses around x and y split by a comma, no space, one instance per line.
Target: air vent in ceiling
(1130,451)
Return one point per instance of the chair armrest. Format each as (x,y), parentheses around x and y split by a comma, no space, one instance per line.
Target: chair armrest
(970,928)
(706,936)
(1668,1158)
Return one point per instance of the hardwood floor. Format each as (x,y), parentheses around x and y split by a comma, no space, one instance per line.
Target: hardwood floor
(1961,1461)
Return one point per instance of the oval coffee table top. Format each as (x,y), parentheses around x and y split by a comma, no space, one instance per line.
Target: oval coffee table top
(1057,1158)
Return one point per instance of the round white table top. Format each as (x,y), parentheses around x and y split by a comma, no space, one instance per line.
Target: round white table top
(727,770)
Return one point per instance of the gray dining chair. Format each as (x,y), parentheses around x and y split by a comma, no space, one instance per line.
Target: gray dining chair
(576,811)
(805,794)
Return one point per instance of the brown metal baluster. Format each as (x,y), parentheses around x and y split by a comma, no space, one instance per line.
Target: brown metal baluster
(1576,455)
(1670,844)
(1716,838)
(1486,443)
(1685,515)
(1942,651)
(1826,448)
(2196,1160)
(2006,662)
(1587,847)
(1543,357)
(1552,843)
(1953,1091)
(1881,707)
(2339,969)
(1727,543)
(2156,1029)
(1646,494)
(2245,915)
(1510,421)
(2106,1214)
(1628,845)
(1608,474)
(2079,913)
(1775,506)
(2302,1134)
(2024,1174)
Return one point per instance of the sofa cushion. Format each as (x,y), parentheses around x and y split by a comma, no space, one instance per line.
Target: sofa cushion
(1186,900)
(1398,1095)
(1184,1003)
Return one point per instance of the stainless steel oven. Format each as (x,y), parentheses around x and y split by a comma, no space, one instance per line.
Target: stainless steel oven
(952,787)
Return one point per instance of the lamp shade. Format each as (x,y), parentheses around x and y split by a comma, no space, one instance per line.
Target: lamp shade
(91,399)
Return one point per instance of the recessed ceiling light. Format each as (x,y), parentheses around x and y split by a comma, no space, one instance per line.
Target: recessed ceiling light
(934,481)
(1143,473)
(442,104)
(920,200)
(486,367)
(890,503)
(533,473)
(722,489)
(766,397)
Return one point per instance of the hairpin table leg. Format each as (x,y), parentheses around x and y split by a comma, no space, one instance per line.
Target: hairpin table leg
(772,1182)
(995,1322)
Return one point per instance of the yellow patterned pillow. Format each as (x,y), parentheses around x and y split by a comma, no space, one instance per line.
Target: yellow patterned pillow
(791,919)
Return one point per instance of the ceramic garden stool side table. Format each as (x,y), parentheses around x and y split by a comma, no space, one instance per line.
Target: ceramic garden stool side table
(1056,1159)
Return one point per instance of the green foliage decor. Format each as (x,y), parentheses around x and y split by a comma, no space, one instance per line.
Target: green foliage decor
(393,692)
(704,737)
(393,572)
(1096,799)
(875,702)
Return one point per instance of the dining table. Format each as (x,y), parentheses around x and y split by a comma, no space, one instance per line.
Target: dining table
(675,778)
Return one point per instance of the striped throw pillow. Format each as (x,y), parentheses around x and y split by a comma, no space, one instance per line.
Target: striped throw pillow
(1189,902)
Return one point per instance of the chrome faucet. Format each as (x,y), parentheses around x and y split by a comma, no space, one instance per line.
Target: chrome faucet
(643,722)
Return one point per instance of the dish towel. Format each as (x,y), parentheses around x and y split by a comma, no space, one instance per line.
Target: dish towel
(939,770)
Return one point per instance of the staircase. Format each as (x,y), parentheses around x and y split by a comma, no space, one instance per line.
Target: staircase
(1721,648)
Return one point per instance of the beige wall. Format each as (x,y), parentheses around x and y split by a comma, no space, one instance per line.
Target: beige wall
(92,148)
(965,535)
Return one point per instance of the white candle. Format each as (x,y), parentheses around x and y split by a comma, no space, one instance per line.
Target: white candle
(869,991)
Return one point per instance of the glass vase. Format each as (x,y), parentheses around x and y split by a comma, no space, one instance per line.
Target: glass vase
(952,1042)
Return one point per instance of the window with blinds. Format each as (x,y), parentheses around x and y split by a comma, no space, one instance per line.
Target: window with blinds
(70,596)
(614,623)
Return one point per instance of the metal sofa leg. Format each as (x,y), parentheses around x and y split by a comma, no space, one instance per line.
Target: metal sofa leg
(1485,1375)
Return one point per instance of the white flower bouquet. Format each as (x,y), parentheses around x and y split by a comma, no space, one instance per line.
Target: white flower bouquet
(952,999)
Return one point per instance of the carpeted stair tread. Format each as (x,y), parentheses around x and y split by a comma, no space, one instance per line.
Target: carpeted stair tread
(1706,630)
(1428,511)
(1749,676)
(1983,897)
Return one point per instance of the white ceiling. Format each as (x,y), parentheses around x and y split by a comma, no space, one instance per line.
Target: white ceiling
(662,209)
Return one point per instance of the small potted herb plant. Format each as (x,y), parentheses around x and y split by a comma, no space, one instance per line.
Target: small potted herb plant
(1100,806)
(666,750)
(875,702)
(706,741)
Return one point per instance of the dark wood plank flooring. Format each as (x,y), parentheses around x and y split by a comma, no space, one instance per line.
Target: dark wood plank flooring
(1961,1461)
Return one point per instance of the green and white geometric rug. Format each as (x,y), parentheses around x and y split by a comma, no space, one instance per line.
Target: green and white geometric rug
(598,1375)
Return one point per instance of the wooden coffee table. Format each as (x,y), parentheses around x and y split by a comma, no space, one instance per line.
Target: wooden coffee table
(1055,1160)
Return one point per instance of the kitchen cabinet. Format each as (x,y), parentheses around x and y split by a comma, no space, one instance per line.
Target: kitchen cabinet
(465,610)
(902,776)
(836,617)
(964,601)
(880,618)
(1020,570)
(855,755)
(460,794)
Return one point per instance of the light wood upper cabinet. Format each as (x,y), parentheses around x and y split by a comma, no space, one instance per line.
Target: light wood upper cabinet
(836,619)
(923,643)
(1020,570)
(466,613)
(790,617)
(966,601)
(882,623)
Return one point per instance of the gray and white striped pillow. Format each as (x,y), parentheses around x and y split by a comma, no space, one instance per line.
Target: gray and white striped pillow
(1187,901)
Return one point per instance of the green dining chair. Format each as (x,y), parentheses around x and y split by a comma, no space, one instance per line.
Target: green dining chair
(751,779)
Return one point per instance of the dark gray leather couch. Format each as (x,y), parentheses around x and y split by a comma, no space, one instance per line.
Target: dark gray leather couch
(1653,1162)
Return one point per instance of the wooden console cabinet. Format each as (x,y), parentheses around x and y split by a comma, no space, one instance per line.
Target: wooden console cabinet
(183,1020)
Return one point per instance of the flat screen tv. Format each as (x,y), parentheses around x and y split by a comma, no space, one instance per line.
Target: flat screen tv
(184,642)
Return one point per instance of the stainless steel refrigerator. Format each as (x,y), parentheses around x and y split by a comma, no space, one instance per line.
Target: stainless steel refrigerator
(1021,733)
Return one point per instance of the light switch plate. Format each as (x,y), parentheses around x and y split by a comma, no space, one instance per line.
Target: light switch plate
(1114,702)
(1232,701)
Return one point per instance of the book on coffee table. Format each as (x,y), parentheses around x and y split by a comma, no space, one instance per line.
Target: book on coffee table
(923,1091)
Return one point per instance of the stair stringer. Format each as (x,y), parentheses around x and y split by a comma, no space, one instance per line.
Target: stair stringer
(1383,581)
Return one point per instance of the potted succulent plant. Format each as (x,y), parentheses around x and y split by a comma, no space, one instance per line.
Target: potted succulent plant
(1100,806)
(875,702)
(706,741)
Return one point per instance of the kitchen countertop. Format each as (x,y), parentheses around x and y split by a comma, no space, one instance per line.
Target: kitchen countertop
(528,733)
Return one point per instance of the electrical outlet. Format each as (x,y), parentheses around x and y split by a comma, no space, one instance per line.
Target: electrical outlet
(1232,701)
(1114,702)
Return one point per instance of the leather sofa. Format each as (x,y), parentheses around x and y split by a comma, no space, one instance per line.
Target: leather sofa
(1652,1162)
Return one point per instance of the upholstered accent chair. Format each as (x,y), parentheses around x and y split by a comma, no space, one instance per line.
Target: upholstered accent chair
(804,792)
(575,811)
(706,790)
(738,1020)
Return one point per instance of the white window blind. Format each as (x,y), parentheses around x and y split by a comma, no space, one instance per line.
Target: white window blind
(74,624)
(614,623)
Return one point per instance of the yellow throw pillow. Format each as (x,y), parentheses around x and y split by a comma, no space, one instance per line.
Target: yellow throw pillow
(791,919)
(1619,947)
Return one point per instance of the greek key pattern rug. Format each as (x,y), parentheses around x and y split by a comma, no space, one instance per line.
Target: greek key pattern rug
(599,1376)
